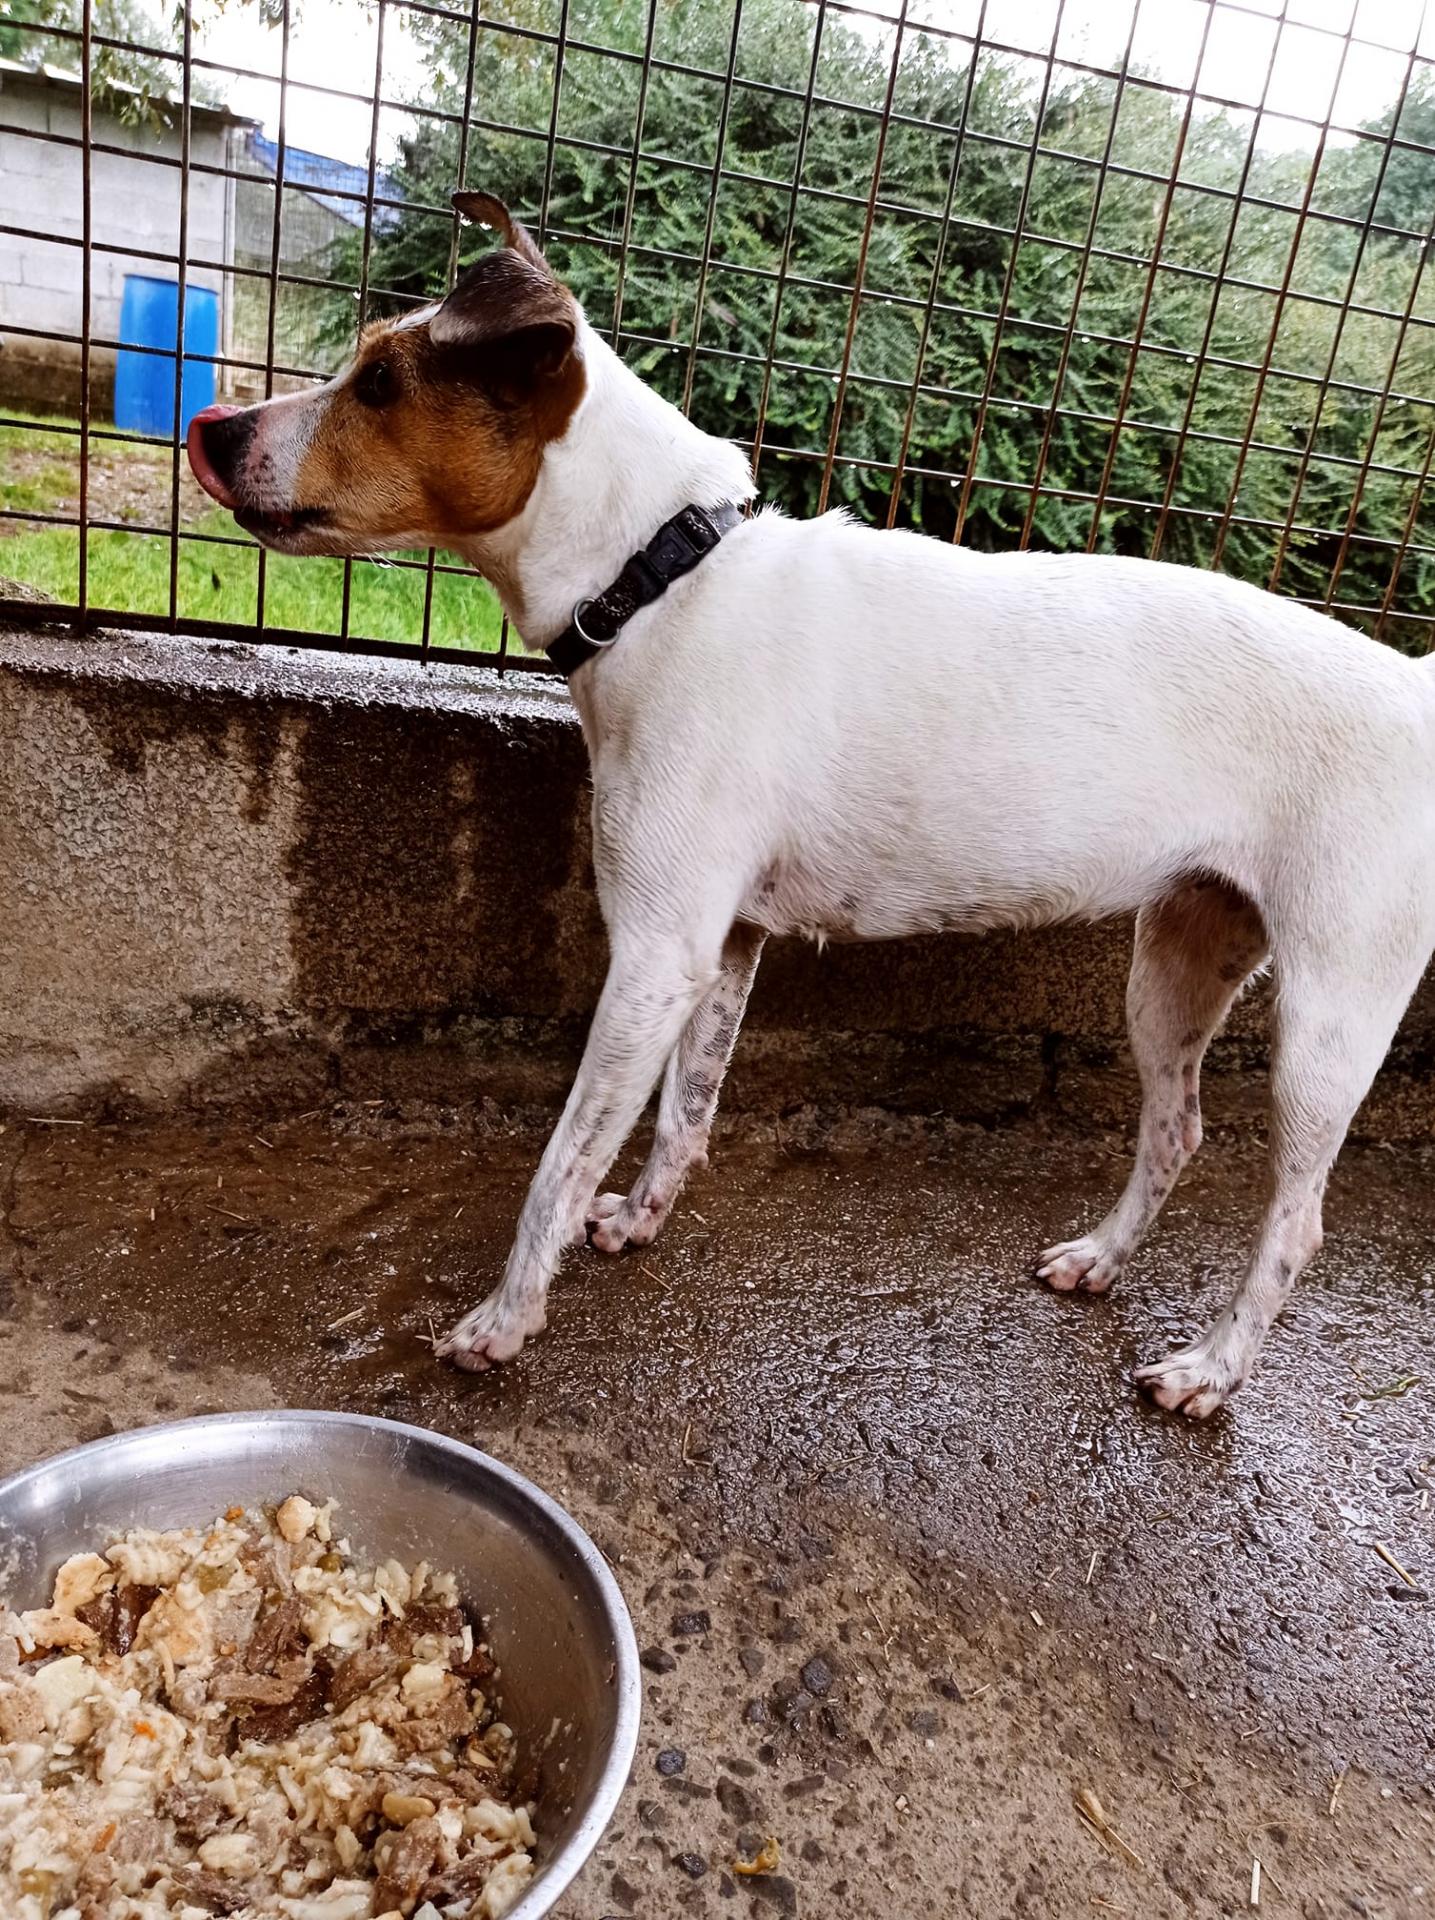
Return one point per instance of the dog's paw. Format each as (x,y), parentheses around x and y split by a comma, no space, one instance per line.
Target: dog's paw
(492,1333)
(1089,1264)
(619,1220)
(1196,1382)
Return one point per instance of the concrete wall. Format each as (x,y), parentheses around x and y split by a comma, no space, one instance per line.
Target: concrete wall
(134,202)
(232,873)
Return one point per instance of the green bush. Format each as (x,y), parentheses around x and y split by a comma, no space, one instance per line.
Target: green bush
(969,261)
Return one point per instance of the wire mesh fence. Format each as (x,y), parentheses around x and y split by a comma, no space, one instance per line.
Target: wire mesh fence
(1143,276)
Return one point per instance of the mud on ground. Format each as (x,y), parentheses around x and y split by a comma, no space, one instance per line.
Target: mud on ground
(129,482)
(910,1566)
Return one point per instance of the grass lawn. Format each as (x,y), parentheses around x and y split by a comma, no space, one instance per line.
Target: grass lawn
(129,572)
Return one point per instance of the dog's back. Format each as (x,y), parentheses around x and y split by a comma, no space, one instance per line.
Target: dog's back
(978,740)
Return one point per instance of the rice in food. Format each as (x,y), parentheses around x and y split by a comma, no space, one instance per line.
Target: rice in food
(241,1721)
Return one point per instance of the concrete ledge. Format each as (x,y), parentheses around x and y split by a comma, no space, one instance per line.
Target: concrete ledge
(249,874)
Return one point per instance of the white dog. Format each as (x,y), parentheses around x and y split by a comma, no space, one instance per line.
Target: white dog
(827,730)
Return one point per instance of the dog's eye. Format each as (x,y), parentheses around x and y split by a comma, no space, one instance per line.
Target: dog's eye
(376,385)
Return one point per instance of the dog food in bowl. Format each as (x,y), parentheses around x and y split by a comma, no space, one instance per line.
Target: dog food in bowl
(243,1722)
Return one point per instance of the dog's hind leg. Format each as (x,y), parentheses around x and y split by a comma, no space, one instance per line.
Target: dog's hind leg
(1194,951)
(685,1110)
(1335,1018)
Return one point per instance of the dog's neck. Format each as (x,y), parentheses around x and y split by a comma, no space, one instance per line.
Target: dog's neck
(627,462)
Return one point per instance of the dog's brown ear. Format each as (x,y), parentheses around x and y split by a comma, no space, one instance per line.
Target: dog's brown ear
(487,210)
(524,318)
(510,302)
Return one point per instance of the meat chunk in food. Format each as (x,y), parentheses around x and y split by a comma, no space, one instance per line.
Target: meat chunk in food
(409,1859)
(357,1672)
(463,1784)
(212,1891)
(115,1616)
(196,1811)
(275,1689)
(277,1632)
(274,1723)
(138,1837)
(463,1881)
(437,1729)
(421,1622)
(480,1665)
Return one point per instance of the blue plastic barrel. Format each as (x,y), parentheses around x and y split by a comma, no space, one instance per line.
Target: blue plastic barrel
(144,382)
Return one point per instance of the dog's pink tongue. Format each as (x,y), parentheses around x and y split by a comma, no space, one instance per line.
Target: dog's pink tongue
(199,460)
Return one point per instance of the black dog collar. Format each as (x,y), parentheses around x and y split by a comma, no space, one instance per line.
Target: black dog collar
(675,549)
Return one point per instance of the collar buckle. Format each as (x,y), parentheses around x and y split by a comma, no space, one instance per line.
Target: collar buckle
(674,550)
(680,545)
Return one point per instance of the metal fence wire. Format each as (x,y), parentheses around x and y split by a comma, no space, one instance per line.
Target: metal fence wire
(1144,276)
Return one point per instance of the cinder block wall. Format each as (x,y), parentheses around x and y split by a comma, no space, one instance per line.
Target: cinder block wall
(248,874)
(134,203)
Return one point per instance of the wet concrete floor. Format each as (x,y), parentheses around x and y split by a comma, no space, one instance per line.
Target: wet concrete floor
(911,1566)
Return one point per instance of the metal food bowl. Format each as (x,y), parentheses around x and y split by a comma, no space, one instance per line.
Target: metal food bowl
(553,1613)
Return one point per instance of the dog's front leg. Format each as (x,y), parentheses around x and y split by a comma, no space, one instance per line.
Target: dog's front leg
(685,1111)
(653,985)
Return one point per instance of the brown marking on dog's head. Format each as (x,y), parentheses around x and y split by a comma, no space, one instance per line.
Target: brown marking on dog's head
(441,427)
(433,434)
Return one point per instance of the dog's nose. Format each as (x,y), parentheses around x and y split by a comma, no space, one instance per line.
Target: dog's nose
(216,443)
